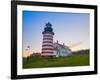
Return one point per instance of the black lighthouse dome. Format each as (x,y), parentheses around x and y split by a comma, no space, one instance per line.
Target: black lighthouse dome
(48,28)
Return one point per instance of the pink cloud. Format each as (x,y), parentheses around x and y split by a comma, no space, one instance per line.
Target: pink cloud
(74,44)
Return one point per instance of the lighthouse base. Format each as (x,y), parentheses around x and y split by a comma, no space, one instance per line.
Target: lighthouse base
(43,54)
(48,57)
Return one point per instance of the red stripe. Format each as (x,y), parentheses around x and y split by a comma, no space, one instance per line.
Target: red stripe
(47,52)
(47,49)
(48,33)
(47,45)
(48,37)
(47,42)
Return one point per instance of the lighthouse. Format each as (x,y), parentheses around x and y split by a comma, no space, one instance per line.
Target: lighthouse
(47,44)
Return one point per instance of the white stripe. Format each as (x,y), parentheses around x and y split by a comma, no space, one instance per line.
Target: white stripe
(48,37)
(47,46)
(47,40)
(47,50)
(47,34)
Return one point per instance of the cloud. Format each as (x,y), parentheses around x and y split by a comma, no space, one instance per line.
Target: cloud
(74,44)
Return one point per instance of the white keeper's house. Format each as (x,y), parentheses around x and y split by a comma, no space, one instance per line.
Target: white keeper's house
(61,50)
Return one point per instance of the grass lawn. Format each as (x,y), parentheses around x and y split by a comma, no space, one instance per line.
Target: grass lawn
(40,62)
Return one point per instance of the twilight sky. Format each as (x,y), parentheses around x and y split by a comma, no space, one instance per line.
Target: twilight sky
(72,29)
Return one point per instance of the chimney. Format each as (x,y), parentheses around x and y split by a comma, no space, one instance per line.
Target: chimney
(63,44)
(57,41)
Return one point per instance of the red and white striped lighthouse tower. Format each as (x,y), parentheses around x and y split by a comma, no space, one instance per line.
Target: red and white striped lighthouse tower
(47,44)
